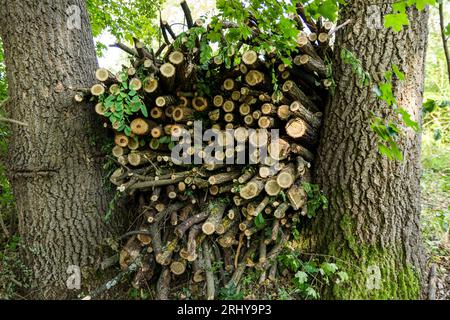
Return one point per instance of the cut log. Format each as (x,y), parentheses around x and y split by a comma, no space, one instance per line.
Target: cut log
(302,151)
(165,257)
(228,106)
(313,65)
(279,149)
(100,109)
(142,127)
(223,178)
(165,101)
(250,59)
(121,140)
(297,196)
(178,267)
(244,109)
(104,75)
(182,114)
(177,59)
(150,85)
(299,129)
(181,229)
(266,122)
(287,177)
(187,14)
(272,188)
(200,104)
(306,46)
(229,85)
(144,238)
(261,206)
(254,78)
(313,119)
(97,89)
(118,151)
(163,285)
(268,109)
(216,214)
(135,84)
(280,212)
(228,239)
(259,138)
(218,101)
(252,189)
(168,73)
(293,91)
(283,112)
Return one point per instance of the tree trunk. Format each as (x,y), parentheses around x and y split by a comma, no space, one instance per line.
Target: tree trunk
(372,224)
(54,170)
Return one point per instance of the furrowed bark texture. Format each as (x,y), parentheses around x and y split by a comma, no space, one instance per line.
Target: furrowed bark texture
(54,171)
(373,216)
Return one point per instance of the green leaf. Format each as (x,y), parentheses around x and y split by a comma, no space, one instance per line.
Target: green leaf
(407,120)
(329,268)
(328,10)
(342,277)
(302,277)
(421,4)
(165,140)
(312,293)
(260,222)
(310,267)
(144,110)
(400,75)
(396,21)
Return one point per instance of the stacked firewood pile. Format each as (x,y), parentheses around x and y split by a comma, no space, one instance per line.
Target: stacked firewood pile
(204,224)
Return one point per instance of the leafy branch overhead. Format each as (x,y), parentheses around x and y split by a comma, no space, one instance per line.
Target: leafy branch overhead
(399,17)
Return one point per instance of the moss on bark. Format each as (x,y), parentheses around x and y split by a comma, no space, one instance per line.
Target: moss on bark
(375,272)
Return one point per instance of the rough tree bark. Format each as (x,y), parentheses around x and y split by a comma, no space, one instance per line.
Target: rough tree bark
(373,218)
(53,168)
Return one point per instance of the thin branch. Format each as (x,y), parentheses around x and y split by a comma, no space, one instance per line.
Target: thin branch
(125,48)
(20,123)
(134,233)
(444,39)
(334,30)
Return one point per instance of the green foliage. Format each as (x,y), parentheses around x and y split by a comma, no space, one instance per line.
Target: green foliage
(138,294)
(316,199)
(388,130)
(123,103)
(277,30)
(349,58)
(328,9)
(124,19)
(432,105)
(312,275)
(14,275)
(230,292)
(399,17)
(260,222)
